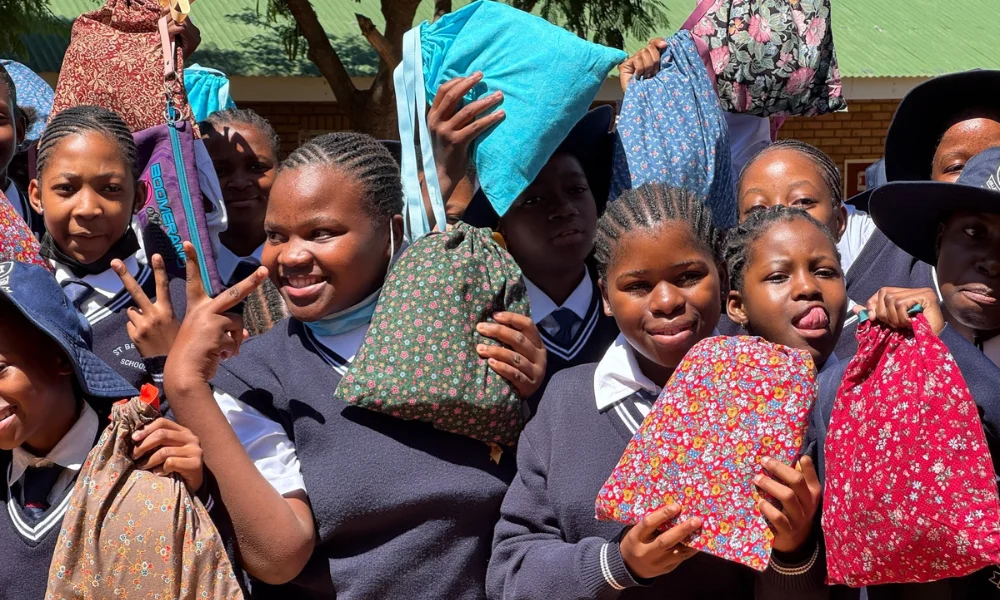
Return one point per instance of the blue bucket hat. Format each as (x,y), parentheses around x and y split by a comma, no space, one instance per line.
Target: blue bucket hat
(909,212)
(37,295)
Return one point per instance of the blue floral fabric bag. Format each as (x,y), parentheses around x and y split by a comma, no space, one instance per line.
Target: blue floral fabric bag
(547,89)
(671,130)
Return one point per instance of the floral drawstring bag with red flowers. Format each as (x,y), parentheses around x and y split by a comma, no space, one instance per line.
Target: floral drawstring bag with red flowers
(732,402)
(132,533)
(910,493)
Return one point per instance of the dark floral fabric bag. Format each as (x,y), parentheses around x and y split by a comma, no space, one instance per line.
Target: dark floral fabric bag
(771,57)
(419,359)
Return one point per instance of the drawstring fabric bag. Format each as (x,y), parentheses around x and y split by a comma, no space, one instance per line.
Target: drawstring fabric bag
(207,91)
(771,57)
(671,130)
(910,493)
(546,91)
(132,533)
(730,403)
(419,358)
(121,57)
(17,243)
(115,59)
(33,93)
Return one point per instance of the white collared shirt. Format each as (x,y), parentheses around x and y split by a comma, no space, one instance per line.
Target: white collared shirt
(226,261)
(618,376)
(110,294)
(266,441)
(860,227)
(542,306)
(70,453)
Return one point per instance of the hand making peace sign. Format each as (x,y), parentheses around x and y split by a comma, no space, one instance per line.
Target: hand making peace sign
(152,326)
(208,334)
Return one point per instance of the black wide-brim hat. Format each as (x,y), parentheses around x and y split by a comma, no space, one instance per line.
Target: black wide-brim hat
(924,115)
(909,213)
(591,142)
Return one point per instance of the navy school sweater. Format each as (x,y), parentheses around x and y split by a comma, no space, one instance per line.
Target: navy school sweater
(111,341)
(548,545)
(983,379)
(402,510)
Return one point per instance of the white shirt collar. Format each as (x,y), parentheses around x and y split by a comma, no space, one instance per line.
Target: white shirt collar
(345,345)
(227,261)
(106,283)
(579,300)
(618,375)
(70,452)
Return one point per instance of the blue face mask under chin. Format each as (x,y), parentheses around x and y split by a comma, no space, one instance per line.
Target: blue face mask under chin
(358,315)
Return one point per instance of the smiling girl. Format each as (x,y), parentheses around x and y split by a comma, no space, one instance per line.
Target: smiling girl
(659,275)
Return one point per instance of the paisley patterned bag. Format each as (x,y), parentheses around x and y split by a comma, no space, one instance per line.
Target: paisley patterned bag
(910,492)
(730,403)
(771,57)
(132,533)
(419,358)
(116,60)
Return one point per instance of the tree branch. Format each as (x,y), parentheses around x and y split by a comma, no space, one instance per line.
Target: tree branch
(321,52)
(377,41)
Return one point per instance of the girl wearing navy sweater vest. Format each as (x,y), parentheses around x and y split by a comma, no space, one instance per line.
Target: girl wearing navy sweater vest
(87,192)
(547,543)
(398,508)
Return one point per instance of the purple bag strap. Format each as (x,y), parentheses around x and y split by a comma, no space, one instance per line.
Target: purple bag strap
(703,50)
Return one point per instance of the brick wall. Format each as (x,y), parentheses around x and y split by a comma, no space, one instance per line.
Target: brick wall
(856,134)
(295,122)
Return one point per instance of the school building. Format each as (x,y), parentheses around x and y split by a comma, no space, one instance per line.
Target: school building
(884,48)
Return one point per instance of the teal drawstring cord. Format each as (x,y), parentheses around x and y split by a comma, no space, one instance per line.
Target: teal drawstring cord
(916,309)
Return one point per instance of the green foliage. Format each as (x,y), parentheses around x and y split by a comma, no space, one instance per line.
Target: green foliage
(20,17)
(603,21)
(278,14)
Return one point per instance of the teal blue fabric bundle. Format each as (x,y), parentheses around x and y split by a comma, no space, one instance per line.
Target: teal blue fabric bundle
(548,77)
(207,91)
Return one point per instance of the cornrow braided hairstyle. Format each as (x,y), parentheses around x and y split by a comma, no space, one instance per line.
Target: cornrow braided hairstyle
(827,168)
(362,156)
(218,120)
(648,207)
(82,119)
(740,240)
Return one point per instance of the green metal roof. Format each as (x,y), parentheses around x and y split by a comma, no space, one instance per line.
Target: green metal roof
(874,38)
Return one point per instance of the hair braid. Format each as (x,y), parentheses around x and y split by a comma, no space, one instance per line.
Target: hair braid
(243,116)
(365,158)
(827,168)
(82,119)
(740,240)
(648,207)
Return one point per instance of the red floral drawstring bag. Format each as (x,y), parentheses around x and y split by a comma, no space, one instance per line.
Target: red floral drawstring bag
(910,493)
(17,243)
(732,402)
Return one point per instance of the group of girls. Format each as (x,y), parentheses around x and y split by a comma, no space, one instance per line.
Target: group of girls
(329,500)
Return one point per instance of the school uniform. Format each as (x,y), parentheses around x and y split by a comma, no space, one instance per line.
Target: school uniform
(234,269)
(103,301)
(574,333)
(402,510)
(548,545)
(983,379)
(35,498)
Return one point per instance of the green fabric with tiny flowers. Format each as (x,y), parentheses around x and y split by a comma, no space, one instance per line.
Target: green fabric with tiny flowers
(419,358)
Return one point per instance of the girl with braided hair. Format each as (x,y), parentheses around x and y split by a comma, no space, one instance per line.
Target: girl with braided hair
(331,500)
(660,273)
(87,192)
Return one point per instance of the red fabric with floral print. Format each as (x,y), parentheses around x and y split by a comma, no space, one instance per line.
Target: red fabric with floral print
(910,490)
(730,403)
(115,60)
(17,243)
